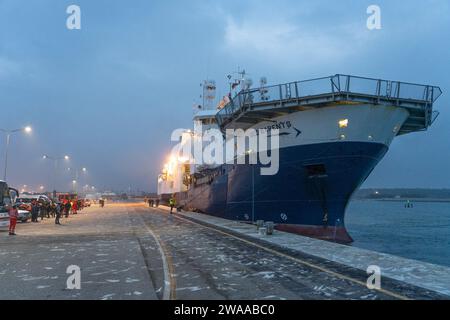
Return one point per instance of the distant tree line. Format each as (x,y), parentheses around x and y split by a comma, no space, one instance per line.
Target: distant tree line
(401,193)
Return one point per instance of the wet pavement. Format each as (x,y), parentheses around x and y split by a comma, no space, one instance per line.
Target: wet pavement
(430,277)
(129,251)
(34,263)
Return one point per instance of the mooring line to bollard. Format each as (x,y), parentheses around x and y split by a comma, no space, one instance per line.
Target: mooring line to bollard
(169,291)
(300,261)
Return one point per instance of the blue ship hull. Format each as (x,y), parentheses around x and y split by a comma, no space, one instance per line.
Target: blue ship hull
(309,195)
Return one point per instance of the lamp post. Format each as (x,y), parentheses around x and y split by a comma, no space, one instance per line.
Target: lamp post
(55,159)
(75,180)
(8,139)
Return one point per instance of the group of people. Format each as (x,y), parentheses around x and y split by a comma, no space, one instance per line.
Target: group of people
(44,210)
(53,210)
(155,203)
(152,202)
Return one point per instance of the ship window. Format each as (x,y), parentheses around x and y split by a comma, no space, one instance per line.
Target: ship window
(316,170)
(209,121)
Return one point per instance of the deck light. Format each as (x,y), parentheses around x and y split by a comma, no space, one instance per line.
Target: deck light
(343,123)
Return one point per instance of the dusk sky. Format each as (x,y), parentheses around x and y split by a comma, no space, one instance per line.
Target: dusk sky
(110,94)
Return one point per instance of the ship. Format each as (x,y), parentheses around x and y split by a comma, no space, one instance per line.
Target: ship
(333,131)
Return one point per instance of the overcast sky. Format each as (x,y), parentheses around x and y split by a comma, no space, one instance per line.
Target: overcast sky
(110,94)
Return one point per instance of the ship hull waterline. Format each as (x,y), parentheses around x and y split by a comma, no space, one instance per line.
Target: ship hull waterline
(308,195)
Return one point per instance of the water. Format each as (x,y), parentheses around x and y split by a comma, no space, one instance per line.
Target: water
(420,233)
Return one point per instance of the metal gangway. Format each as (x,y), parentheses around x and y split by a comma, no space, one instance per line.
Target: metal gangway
(251,106)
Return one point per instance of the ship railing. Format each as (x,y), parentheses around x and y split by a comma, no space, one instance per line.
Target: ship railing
(334,88)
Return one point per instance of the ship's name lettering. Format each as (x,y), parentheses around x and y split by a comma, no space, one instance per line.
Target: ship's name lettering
(279,125)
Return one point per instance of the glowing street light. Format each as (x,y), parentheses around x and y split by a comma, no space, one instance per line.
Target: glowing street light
(76,177)
(55,159)
(45,156)
(8,133)
(84,170)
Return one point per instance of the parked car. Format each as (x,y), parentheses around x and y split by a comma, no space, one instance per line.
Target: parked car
(24,216)
(24,203)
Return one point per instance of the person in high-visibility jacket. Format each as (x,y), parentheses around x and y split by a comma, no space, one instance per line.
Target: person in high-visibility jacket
(172,204)
(13,216)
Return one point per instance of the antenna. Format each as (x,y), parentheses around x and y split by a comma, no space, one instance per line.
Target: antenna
(209,94)
(247,83)
(263,82)
(262,89)
(239,80)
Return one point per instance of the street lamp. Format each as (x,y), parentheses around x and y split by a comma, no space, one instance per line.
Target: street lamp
(8,138)
(84,170)
(55,159)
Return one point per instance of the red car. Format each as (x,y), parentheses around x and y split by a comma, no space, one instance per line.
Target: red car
(24,203)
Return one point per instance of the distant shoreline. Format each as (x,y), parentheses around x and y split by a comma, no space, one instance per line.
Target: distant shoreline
(403,195)
(403,200)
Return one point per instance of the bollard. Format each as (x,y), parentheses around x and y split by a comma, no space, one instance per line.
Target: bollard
(270,226)
(263,231)
(259,224)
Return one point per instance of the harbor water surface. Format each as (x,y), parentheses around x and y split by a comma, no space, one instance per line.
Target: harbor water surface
(420,233)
